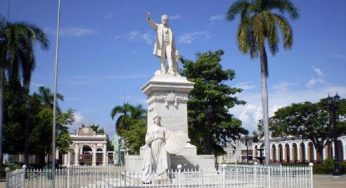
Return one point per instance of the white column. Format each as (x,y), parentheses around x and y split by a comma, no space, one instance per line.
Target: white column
(277,153)
(104,157)
(65,159)
(284,158)
(306,149)
(324,152)
(343,146)
(315,153)
(68,158)
(76,155)
(291,152)
(298,152)
(94,155)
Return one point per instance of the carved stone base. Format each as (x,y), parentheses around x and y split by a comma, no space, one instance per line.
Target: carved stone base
(188,158)
(167,95)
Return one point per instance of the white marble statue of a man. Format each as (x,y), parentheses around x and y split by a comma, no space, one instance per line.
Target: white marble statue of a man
(164,47)
(156,160)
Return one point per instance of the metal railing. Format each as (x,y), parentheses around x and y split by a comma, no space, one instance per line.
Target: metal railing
(237,176)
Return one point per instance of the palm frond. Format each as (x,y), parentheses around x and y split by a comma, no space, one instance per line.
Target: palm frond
(283,6)
(286,30)
(271,32)
(240,6)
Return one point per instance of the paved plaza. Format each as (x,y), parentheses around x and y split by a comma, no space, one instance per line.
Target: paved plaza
(328,181)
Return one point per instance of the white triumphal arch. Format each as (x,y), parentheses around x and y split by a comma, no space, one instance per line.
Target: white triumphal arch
(87,148)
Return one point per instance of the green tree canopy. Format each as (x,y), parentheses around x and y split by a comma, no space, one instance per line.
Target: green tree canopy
(35,112)
(17,59)
(211,125)
(308,121)
(131,125)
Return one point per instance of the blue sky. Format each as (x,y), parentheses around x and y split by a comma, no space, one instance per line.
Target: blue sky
(106,52)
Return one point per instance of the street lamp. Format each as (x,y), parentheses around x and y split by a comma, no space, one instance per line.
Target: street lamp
(333,103)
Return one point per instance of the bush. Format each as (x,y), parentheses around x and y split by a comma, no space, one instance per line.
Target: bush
(327,167)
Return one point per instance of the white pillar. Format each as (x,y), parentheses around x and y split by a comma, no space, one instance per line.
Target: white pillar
(94,155)
(298,152)
(324,156)
(104,157)
(284,158)
(277,153)
(76,154)
(315,153)
(65,159)
(306,149)
(68,158)
(343,146)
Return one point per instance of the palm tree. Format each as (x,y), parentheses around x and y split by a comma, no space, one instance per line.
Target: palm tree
(17,59)
(260,21)
(128,112)
(46,97)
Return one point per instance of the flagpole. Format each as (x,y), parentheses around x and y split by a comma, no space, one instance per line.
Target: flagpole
(55,93)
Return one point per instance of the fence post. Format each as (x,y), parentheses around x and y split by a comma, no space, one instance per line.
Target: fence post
(179,175)
(255,173)
(7,170)
(268,171)
(280,181)
(311,175)
(223,175)
(24,175)
(125,177)
(68,167)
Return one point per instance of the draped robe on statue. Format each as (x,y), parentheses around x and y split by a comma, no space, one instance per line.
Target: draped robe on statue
(156,159)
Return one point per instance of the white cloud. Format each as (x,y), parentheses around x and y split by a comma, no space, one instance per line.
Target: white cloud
(319,79)
(283,86)
(245,85)
(78,117)
(318,71)
(216,18)
(338,56)
(252,111)
(175,17)
(188,38)
(314,81)
(148,38)
(72,31)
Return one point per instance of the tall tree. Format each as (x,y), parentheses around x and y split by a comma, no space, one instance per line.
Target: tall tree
(40,138)
(127,112)
(131,125)
(17,59)
(211,125)
(259,24)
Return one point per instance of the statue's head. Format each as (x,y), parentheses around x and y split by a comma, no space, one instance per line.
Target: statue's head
(157,119)
(164,19)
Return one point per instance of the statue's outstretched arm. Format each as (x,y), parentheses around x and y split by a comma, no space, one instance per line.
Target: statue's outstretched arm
(151,22)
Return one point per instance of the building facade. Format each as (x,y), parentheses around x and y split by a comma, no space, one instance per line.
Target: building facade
(293,150)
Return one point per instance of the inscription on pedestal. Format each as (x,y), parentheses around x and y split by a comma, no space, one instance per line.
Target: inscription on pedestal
(173,120)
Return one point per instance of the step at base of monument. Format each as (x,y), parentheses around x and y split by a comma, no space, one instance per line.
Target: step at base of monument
(188,158)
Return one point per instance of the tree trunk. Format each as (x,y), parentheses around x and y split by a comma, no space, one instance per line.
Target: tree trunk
(264,92)
(1,110)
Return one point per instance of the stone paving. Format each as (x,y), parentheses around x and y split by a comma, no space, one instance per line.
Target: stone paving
(328,181)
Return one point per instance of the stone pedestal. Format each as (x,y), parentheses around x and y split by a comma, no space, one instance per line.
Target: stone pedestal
(167,96)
